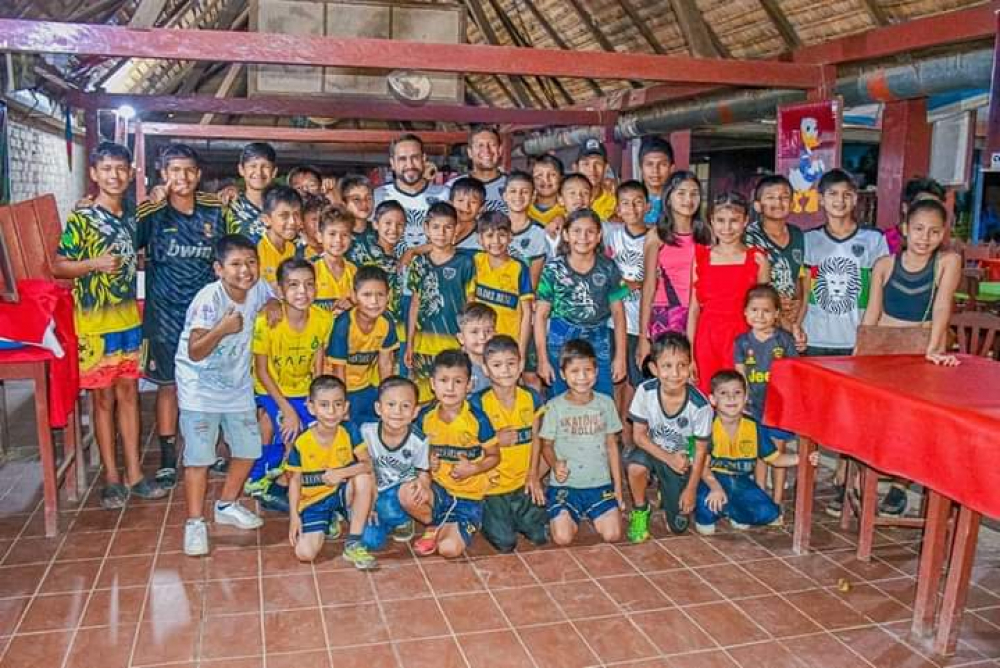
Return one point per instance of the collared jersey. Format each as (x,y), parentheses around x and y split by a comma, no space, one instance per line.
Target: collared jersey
(677,431)
(515,460)
(468,434)
(290,353)
(358,351)
(329,288)
(582,299)
(786,261)
(504,288)
(529,244)
(243,217)
(269,257)
(309,456)
(366,250)
(546,215)
(443,290)
(738,456)
(628,252)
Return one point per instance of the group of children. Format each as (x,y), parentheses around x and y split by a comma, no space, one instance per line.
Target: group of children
(386,365)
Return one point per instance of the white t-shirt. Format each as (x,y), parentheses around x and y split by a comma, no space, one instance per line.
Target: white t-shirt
(415,205)
(494,192)
(626,250)
(673,433)
(529,244)
(222,382)
(395,465)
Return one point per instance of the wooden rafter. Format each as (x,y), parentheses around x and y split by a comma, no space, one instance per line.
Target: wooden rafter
(521,90)
(596,32)
(556,38)
(695,30)
(229,80)
(781,24)
(147,13)
(640,25)
(875,11)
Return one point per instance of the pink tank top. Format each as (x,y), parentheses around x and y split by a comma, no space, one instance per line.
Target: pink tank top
(673,285)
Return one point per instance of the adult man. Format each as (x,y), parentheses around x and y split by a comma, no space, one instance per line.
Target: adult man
(410,187)
(485,152)
(656,162)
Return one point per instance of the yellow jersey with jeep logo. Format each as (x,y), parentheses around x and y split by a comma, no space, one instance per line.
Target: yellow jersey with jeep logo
(465,436)
(269,257)
(739,455)
(515,460)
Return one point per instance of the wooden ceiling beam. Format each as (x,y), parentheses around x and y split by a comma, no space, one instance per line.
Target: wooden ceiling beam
(147,13)
(265,133)
(229,80)
(556,38)
(876,12)
(781,24)
(694,29)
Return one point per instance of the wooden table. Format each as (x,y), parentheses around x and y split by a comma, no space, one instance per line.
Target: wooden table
(901,415)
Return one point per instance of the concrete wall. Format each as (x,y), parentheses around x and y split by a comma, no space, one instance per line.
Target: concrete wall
(38,165)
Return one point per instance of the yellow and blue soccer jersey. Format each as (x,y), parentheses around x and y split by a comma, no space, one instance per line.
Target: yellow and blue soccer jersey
(329,288)
(504,288)
(605,205)
(739,456)
(467,435)
(243,217)
(358,350)
(311,458)
(545,215)
(515,460)
(269,257)
(290,353)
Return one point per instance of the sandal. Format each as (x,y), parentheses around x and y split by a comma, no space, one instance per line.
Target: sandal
(146,489)
(113,496)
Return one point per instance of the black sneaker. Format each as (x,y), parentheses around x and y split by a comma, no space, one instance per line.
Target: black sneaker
(835,506)
(894,502)
(220,467)
(275,499)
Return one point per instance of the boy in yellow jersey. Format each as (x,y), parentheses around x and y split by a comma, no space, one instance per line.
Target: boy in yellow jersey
(592,162)
(309,243)
(334,274)
(326,480)
(463,452)
(287,356)
(282,217)
(515,504)
(547,175)
(363,344)
(476,325)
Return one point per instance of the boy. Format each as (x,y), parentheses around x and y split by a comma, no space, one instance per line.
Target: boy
(378,247)
(476,325)
(516,502)
(258,167)
(334,274)
(546,175)
(361,348)
(282,216)
(579,443)
(287,356)
(215,388)
(356,193)
(592,162)
(326,481)
(727,486)
(527,242)
(97,252)
(784,245)
(463,452)
(178,234)
(309,242)
(306,180)
(400,460)
(671,419)
(467,196)
(501,281)
(656,162)
(440,282)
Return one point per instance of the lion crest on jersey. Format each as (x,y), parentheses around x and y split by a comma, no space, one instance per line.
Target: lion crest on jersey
(838,285)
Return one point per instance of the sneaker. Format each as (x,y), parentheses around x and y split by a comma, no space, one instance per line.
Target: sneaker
(404,532)
(679,524)
(275,499)
(426,545)
(256,487)
(836,505)
(333,529)
(114,496)
(236,515)
(738,525)
(778,522)
(148,489)
(357,554)
(166,477)
(704,529)
(196,538)
(220,467)
(638,525)
(894,502)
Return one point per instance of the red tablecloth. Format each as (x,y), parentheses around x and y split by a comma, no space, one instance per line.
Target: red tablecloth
(939,426)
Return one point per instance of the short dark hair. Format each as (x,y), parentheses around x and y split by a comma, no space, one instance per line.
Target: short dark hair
(278,194)
(574,176)
(386,206)
(834,177)
(730,200)
(501,343)
(727,376)
(178,151)
(632,186)
(670,341)
(303,169)
(467,185)
(656,145)
(352,181)
(290,264)
(522,176)
(477,311)
(922,186)
(325,382)
(576,349)
(763,291)
(451,359)
(334,215)
(441,210)
(312,203)
(481,128)
(258,149)
(493,220)
(370,272)
(232,242)
(551,161)
(403,138)
(108,150)
(392,382)
(927,206)
(769,181)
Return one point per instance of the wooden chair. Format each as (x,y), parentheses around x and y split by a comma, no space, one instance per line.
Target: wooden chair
(31,232)
(976,334)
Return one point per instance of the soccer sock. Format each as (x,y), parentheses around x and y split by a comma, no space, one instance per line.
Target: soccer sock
(353,538)
(641,508)
(168,452)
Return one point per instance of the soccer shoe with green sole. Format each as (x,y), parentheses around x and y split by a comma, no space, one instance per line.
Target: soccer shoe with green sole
(638,525)
(357,554)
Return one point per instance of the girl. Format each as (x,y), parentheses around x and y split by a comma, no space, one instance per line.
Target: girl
(578,291)
(916,288)
(668,257)
(720,278)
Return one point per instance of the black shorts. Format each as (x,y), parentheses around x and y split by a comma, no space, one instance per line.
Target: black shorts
(507,515)
(671,485)
(158,360)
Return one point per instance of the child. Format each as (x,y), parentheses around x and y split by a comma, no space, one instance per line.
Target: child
(546,175)
(753,354)
(527,242)
(721,277)
(467,196)
(515,504)
(97,251)
(579,443)
(363,342)
(282,216)
(501,281)
(668,257)
(656,162)
(215,388)
(440,282)
(476,325)
(309,242)
(463,452)
(671,420)
(178,234)
(334,274)
(916,189)
(592,162)
(306,180)
(287,356)
(326,480)
(258,167)
(784,245)
(400,459)
(577,294)
(727,486)
(574,194)
(356,193)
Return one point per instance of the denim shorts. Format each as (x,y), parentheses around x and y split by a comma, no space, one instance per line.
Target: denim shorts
(201,433)
(466,514)
(390,514)
(583,502)
(599,336)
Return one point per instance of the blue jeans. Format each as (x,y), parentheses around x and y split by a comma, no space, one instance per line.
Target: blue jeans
(747,503)
(599,336)
(390,515)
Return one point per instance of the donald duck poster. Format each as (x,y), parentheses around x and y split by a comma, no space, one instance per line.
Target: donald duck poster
(807,145)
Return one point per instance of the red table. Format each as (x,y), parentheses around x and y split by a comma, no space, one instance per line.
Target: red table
(937,426)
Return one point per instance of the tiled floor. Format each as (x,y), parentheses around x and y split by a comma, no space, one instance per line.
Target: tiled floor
(114,591)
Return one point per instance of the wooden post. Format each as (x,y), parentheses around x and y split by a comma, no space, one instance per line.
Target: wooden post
(92,138)
(804,488)
(932,554)
(139,158)
(613,147)
(506,149)
(904,152)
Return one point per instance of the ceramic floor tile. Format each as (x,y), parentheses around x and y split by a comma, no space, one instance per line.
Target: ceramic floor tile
(826,609)
(114,607)
(506,570)
(430,653)
(110,645)
(289,591)
(237,635)
(382,655)
(528,605)
(419,618)
(312,659)
(557,646)
(345,587)
(602,561)
(778,617)
(452,577)
(551,566)
(290,630)
(615,639)
(710,659)
(53,612)
(355,625)
(36,650)
(230,597)
(634,593)
(471,613)
(579,600)
(726,623)
(673,632)
(731,581)
(398,583)
(648,557)
(494,649)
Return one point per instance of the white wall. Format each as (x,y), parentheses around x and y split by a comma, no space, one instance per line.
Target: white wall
(38,165)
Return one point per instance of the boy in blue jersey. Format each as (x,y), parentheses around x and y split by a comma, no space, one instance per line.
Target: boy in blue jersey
(178,234)
(258,167)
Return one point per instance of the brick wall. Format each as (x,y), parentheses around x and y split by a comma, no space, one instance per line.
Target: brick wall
(38,165)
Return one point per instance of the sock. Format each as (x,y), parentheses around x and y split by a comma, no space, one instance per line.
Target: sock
(168,452)
(353,538)
(641,508)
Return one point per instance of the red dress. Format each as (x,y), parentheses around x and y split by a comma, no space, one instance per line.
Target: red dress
(721,290)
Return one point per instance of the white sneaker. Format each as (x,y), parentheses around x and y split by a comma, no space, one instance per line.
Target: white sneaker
(196,538)
(739,526)
(238,516)
(704,529)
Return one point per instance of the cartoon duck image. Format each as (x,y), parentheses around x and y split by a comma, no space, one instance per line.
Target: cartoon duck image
(805,176)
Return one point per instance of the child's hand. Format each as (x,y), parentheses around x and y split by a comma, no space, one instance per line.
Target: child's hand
(232,321)
(678,461)
(435,461)
(507,437)
(408,357)
(342,305)
(716,501)
(291,425)
(620,499)
(641,351)
(294,528)
(618,368)
(105,264)
(463,469)
(687,500)
(814,458)
(84,202)
(421,495)
(227,194)
(694,370)
(546,372)
(801,341)
(158,193)
(535,491)
(561,470)
(332,477)
(942,360)
(273,312)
